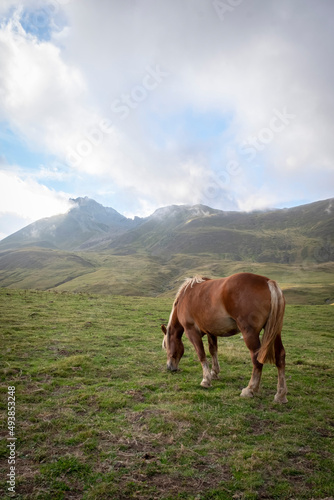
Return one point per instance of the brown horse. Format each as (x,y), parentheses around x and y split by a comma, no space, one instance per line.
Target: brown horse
(243,302)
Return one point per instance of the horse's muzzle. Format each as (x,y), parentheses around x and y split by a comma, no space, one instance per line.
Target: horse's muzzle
(171,366)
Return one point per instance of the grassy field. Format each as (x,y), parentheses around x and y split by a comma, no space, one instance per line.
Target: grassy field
(98,416)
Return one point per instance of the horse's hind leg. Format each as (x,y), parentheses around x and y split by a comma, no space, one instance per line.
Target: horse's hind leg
(252,341)
(213,348)
(280,396)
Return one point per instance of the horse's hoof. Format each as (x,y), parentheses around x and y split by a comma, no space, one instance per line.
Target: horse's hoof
(205,384)
(280,399)
(246,393)
(215,376)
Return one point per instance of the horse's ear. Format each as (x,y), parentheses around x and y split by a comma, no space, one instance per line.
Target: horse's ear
(164,329)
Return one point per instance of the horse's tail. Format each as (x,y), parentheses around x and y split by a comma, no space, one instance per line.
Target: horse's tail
(274,324)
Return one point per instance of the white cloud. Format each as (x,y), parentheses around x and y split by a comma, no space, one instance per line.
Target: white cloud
(42,96)
(86,95)
(260,58)
(27,200)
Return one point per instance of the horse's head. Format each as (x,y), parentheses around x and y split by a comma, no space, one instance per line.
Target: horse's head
(172,343)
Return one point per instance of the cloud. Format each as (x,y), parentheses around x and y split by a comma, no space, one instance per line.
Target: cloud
(262,57)
(23,201)
(42,96)
(155,102)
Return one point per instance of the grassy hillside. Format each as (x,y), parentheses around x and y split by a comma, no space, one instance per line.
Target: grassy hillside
(143,275)
(41,268)
(98,416)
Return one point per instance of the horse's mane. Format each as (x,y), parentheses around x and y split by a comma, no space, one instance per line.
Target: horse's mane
(188,282)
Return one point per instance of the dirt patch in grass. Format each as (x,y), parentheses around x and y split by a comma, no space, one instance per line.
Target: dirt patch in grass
(136,394)
(203,479)
(258,427)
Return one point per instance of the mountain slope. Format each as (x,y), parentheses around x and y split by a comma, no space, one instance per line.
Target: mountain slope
(41,268)
(86,222)
(286,236)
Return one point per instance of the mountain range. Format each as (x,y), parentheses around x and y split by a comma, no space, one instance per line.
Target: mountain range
(285,236)
(72,248)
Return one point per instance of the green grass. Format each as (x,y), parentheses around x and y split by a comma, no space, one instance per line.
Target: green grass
(98,416)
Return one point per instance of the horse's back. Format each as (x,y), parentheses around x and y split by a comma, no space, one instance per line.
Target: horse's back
(219,306)
(246,285)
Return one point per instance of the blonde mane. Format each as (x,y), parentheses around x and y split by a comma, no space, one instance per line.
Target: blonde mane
(187,282)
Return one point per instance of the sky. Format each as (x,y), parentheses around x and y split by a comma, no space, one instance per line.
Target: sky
(140,104)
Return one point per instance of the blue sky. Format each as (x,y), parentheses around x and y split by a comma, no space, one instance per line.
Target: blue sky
(143,104)
(17,152)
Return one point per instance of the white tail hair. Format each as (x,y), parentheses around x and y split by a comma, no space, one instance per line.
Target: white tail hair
(274,324)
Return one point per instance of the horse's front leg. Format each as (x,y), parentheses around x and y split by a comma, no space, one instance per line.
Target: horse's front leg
(213,348)
(195,338)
